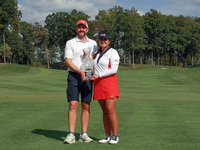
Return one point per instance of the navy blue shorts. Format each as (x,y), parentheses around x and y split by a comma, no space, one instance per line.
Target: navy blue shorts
(76,87)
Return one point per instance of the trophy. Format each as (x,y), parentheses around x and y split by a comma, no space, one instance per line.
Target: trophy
(87,65)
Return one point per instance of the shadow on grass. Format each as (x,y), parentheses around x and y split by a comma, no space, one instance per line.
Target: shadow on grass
(55,134)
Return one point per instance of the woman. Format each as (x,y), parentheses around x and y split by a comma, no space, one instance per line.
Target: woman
(106,62)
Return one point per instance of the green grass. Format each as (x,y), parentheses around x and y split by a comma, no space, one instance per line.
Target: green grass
(158,109)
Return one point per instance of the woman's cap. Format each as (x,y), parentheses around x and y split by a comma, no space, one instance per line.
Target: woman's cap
(104,35)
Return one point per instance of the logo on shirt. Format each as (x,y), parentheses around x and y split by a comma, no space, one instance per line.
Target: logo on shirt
(116,60)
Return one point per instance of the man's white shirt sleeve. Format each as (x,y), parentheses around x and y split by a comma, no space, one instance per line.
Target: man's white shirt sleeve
(68,50)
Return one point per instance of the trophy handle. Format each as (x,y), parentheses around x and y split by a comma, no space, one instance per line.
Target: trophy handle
(87,51)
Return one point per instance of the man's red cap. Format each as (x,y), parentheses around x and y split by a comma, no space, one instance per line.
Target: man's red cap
(82,22)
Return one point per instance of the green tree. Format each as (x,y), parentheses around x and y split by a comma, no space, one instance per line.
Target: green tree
(41,42)
(17,47)
(52,27)
(8,52)
(154,27)
(111,20)
(126,29)
(26,32)
(169,39)
(134,34)
(9,17)
(105,20)
(140,38)
(61,27)
(162,37)
(116,15)
(194,47)
(184,38)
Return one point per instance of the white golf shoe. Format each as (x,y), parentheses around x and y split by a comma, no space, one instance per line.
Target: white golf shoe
(70,139)
(106,139)
(85,138)
(114,140)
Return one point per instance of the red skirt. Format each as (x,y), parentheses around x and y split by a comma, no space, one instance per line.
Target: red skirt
(106,88)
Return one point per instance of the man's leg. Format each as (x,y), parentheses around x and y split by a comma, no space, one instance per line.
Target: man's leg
(72,115)
(84,122)
(85,116)
(86,94)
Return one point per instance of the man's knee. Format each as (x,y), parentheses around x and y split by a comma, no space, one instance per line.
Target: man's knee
(85,106)
(73,105)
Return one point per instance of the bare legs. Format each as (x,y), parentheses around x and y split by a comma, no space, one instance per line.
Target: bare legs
(110,119)
(72,115)
(85,116)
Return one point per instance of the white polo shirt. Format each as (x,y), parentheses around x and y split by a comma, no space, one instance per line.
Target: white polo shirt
(74,50)
(107,63)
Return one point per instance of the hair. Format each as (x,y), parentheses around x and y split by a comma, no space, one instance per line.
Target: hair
(98,51)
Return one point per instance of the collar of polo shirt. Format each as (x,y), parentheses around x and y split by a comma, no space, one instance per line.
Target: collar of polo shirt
(79,40)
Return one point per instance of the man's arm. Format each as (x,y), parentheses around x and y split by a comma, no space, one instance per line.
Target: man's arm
(68,63)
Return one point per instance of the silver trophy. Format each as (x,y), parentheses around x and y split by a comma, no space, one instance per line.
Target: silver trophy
(87,65)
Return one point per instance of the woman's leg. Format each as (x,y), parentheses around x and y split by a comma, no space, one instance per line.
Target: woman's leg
(106,122)
(110,105)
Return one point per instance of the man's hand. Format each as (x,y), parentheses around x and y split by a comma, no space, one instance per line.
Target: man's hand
(82,74)
(85,53)
(68,62)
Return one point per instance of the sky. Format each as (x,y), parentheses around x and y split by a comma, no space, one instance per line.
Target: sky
(37,10)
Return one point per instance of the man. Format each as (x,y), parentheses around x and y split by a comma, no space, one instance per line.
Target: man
(76,83)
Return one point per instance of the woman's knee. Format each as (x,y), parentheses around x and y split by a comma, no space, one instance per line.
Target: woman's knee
(110,110)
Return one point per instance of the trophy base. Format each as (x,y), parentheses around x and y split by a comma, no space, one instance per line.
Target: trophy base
(87,78)
(88,75)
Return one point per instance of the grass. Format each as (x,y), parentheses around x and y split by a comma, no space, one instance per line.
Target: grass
(158,108)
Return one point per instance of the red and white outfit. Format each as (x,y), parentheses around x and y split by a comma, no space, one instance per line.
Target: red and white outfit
(106,66)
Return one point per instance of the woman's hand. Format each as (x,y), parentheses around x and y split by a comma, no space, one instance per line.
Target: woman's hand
(94,77)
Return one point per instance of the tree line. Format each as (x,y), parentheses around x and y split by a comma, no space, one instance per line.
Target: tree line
(153,38)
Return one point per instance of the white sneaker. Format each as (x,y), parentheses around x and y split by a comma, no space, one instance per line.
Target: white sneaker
(70,138)
(105,139)
(85,138)
(114,140)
